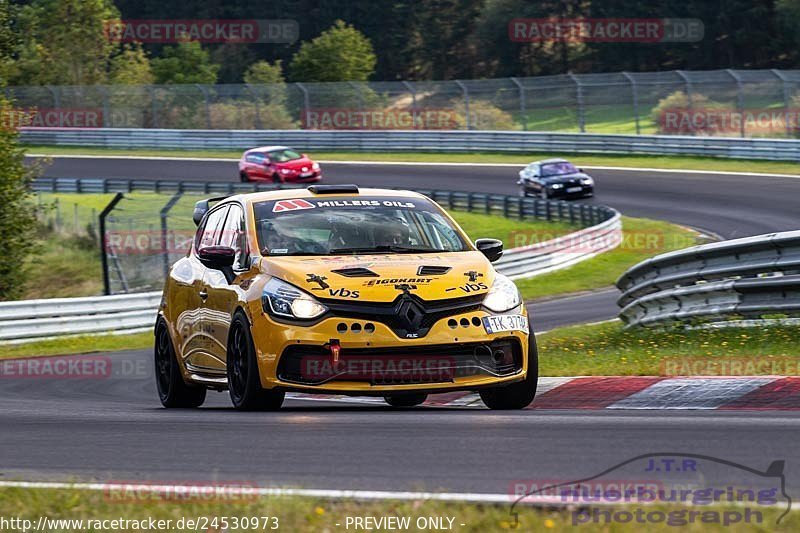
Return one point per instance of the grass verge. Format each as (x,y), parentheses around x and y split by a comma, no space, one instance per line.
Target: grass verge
(312,514)
(78,345)
(609,350)
(613,160)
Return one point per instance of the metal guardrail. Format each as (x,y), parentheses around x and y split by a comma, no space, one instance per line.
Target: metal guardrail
(742,278)
(29,319)
(418,141)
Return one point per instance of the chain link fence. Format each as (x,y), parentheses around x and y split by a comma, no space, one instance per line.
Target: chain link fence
(731,103)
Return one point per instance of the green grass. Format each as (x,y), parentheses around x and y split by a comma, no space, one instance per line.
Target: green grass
(641,161)
(610,350)
(78,345)
(63,266)
(642,238)
(478,225)
(314,514)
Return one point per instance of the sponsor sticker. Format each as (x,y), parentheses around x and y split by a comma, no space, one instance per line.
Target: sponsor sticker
(291,205)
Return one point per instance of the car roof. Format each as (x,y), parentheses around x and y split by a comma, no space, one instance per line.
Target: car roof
(284,194)
(267,149)
(553,160)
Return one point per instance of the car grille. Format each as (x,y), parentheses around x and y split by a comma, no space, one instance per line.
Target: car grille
(408,315)
(313,365)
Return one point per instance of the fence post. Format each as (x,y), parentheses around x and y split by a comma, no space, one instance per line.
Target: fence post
(153,105)
(466,103)
(522,107)
(688,83)
(206,104)
(635,94)
(103,244)
(579,99)
(357,87)
(165,229)
(106,106)
(739,99)
(413,104)
(257,101)
(786,99)
(306,103)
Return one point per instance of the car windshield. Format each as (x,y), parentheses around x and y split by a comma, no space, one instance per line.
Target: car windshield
(354,225)
(558,169)
(283,155)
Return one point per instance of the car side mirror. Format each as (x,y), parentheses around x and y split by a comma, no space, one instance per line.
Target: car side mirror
(217,257)
(491,248)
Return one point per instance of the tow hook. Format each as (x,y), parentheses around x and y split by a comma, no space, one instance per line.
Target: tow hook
(335,350)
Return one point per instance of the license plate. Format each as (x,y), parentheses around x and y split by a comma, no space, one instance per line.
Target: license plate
(498,323)
(574,189)
(306,174)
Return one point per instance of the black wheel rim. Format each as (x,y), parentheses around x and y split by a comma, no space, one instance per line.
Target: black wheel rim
(163,363)
(238,371)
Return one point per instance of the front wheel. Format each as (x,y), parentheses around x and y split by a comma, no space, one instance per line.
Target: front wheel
(244,384)
(522,192)
(172,390)
(405,400)
(544,195)
(517,395)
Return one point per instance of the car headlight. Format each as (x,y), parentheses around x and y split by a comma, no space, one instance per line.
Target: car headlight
(315,166)
(556,186)
(284,300)
(587,181)
(503,295)
(285,171)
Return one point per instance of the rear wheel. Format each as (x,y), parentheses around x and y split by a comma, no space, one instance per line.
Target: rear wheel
(244,177)
(244,384)
(405,400)
(276,178)
(520,394)
(172,390)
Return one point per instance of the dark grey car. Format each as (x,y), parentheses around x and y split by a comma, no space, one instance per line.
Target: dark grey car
(554,178)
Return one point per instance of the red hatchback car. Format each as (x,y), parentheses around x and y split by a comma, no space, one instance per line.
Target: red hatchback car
(277,164)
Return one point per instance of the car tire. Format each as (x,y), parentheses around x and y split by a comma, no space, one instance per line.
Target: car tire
(276,178)
(523,193)
(173,391)
(405,400)
(244,383)
(520,394)
(244,177)
(544,195)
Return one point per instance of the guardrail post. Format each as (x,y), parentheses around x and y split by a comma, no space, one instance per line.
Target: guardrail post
(579,100)
(786,100)
(465,91)
(522,111)
(635,95)
(165,228)
(739,99)
(104,243)
(306,103)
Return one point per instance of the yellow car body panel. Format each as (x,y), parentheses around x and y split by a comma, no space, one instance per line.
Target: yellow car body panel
(199,328)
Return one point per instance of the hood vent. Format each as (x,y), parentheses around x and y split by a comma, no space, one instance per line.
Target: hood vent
(355,272)
(428,270)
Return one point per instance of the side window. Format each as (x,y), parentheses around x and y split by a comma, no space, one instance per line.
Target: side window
(255,158)
(209,232)
(235,236)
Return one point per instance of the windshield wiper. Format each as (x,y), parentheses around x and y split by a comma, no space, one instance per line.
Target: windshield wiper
(386,248)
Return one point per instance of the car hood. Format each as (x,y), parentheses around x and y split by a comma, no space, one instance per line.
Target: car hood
(380,277)
(566,178)
(296,164)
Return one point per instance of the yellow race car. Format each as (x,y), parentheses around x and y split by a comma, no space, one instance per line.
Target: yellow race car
(336,290)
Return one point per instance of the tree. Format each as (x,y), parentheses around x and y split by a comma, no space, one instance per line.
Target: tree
(17,217)
(131,67)
(263,72)
(341,53)
(185,63)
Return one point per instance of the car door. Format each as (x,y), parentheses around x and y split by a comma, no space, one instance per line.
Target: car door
(199,356)
(223,295)
(259,165)
(534,183)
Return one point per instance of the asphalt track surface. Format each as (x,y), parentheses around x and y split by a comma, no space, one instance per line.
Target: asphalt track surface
(114,428)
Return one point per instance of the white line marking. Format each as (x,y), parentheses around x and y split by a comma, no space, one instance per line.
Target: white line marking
(430,164)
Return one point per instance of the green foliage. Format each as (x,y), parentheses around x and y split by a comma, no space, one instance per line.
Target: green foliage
(263,72)
(17,218)
(483,115)
(341,53)
(131,67)
(63,42)
(679,100)
(185,63)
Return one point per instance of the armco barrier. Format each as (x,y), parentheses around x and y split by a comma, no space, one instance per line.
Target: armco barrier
(65,316)
(418,141)
(742,278)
